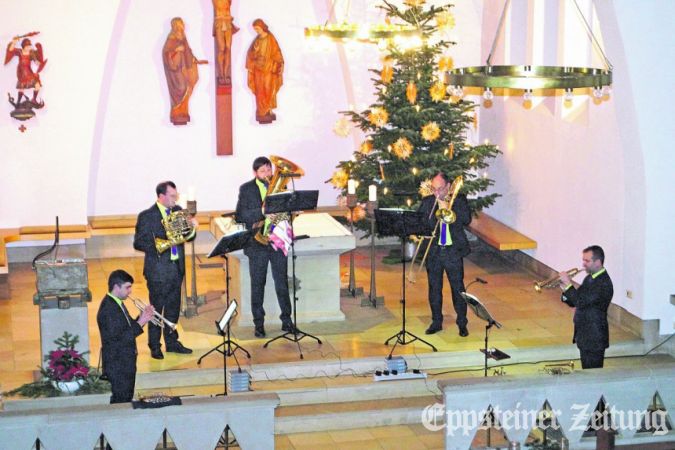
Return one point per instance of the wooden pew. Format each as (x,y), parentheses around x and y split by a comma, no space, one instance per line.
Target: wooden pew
(498,235)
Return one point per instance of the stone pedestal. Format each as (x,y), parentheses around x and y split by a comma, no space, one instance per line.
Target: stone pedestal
(317,271)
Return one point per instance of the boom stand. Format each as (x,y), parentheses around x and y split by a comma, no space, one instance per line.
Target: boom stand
(401,223)
(290,202)
(227,244)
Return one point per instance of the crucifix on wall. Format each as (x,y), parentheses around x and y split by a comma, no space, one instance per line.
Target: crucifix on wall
(223,29)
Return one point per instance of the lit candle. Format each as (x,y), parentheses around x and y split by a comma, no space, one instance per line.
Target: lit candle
(191,194)
(351,187)
(372,193)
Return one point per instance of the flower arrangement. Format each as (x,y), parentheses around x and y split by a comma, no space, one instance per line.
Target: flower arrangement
(63,365)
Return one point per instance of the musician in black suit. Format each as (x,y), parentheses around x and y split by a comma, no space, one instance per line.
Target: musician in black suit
(591,300)
(164,271)
(250,211)
(118,336)
(446,254)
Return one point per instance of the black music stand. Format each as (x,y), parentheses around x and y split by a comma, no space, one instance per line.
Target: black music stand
(482,313)
(402,223)
(227,244)
(290,202)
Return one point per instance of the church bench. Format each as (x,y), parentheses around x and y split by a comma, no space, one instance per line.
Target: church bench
(498,235)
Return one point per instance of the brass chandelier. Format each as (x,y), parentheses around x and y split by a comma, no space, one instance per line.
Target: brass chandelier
(530,77)
(364,32)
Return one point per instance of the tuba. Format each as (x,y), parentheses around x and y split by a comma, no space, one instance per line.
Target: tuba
(177,226)
(284,170)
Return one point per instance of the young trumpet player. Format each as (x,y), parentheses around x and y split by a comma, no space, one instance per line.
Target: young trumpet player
(118,336)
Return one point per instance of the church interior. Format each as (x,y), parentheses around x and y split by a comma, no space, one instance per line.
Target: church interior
(337,163)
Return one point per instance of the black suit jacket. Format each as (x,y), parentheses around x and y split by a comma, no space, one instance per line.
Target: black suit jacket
(118,338)
(148,227)
(592,299)
(249,211)
(460,244)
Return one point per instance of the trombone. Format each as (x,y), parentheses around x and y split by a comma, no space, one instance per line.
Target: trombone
(553,281)
(157,318)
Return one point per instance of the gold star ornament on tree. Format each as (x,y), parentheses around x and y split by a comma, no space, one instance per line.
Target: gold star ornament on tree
(437,91)
(402,148)
(431,131)
(339,179)
(342,127)
(378,116)
(366,147)
(445,20)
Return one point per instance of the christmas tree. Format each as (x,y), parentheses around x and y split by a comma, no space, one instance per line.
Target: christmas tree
(414,128)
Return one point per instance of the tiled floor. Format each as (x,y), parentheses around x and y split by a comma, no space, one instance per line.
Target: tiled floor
(528,319)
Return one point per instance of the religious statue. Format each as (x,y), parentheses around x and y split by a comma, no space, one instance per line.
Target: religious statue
(26,77)
(265,66)
(180,67)
(223,29)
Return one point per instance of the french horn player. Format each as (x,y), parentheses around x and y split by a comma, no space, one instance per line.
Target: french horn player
(447,211)
(161,232)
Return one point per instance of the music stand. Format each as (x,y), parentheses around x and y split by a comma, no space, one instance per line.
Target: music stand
(290,202)
(401,223)
(227,244)
(482,313)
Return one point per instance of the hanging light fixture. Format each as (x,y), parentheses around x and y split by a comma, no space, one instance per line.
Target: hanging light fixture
(529,77)
(361,32)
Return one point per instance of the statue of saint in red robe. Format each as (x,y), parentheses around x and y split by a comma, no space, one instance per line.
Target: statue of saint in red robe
(180,68)
(265,66)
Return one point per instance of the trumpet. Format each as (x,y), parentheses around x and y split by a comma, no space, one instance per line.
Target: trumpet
(157,318)
(554,281)
(559,369)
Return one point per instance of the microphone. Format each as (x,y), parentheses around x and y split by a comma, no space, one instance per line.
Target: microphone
(481,281)
(230,214)
(404,194)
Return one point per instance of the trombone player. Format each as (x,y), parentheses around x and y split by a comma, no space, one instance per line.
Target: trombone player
(118,336)
(591,300)
(163,269)
(448,247)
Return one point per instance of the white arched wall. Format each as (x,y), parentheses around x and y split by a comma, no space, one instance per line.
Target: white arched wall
(596,172)
(104,140)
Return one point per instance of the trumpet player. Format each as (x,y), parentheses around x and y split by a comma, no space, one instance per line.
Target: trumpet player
(449,246)
(591,300)
(163,271)
(118,336)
